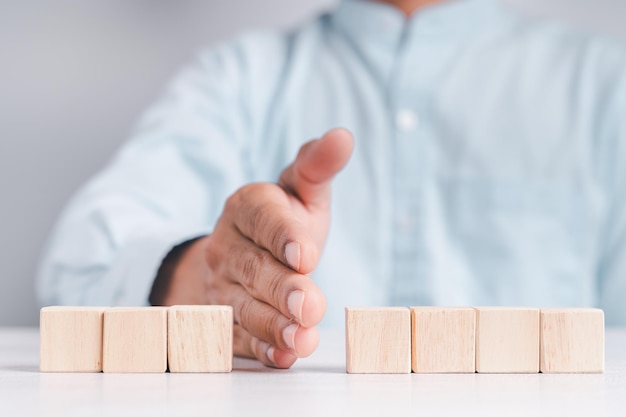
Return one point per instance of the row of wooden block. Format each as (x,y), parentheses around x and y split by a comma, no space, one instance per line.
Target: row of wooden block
(145,339)
(468,340)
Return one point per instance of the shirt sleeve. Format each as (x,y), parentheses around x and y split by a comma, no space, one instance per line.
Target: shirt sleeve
(612,276)
(166,185)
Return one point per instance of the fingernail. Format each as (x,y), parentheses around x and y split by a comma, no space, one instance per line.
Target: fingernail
(270,354)
(292,255)
(295,301)
(289,335)
(268,350)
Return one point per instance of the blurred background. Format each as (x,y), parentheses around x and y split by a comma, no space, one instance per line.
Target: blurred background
(75,77)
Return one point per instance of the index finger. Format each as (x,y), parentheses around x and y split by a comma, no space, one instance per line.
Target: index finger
(263,214)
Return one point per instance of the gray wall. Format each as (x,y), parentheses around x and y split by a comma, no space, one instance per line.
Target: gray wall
(74,76)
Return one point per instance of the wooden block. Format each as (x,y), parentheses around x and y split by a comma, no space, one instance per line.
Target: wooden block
(378,340)
(507,340)
(200,339)
(572,340)
(135,339)
(70,339)
(443,340)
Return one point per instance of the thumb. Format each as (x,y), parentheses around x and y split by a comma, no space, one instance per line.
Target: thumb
(318,161)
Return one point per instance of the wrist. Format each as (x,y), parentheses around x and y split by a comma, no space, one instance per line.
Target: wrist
(181,276)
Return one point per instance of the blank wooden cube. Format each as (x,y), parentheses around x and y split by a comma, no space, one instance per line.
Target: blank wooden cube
(443,340)
(378,340)
(70,339)
(135,340)
(572,340)
(200,339)
(507,340)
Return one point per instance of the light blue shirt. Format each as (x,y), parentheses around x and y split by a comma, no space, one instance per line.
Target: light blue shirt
(489,167)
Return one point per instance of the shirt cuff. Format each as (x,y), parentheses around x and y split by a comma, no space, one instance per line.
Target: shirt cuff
(135,269)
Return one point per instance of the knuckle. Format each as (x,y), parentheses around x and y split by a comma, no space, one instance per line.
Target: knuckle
(260,207)
(256,221)
(245,191)
(232,202)
(243,312)
(260,280)
(276,233)
(271,323)
(274,289)
(252,263)
(264,324)
(238,199)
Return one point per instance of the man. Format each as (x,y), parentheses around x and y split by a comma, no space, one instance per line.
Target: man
(487,167)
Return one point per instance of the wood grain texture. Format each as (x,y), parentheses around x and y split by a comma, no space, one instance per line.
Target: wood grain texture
(70,339)
(572,340)
(507,340)
(200,339)
(378,340)
(135,340)
(443,340)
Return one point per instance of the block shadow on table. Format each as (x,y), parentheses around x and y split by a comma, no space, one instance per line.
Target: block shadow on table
(31,369)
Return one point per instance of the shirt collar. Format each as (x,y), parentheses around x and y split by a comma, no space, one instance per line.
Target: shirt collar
(378,31)
(369,20)
(375,20)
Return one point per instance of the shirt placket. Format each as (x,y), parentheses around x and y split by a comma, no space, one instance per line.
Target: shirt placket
(409,284)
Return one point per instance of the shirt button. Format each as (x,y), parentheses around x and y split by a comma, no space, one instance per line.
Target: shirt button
(406,222)
(406,120)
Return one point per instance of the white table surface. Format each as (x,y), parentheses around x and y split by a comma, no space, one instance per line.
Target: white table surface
(314,386)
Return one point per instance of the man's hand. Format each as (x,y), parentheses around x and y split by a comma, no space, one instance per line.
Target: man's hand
(268,238)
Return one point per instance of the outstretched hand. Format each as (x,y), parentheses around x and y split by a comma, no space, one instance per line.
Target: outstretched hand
(266,242)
